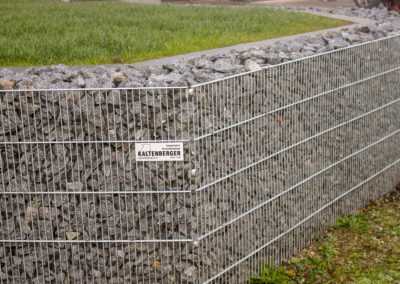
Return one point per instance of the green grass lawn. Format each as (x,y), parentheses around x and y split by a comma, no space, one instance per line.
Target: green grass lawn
(363,248)
(45,32)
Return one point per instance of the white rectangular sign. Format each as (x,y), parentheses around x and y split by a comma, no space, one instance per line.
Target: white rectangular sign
(158,152)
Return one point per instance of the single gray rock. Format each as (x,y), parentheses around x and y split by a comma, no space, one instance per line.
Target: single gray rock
(245,55)
(118,78)
(273,58)
(350,37)
(259,54)
(338,42)
(80,82)
(74,186)
(283,56)
(224,66)
(294,46)
(250,65)
(317,40)
(172,78)
(202,63)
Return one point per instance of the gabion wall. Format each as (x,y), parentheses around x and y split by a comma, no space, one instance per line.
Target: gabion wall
(271,158)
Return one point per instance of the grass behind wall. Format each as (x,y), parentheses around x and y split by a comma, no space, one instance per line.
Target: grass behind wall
(45,32)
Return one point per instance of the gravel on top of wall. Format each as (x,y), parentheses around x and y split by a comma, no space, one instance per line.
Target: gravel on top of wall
(206,68)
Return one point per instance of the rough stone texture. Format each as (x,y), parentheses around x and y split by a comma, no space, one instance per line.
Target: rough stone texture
(250,65)
(6,85)
(120,209)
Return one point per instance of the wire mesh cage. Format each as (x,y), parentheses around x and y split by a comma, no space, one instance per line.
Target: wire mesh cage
(194,184)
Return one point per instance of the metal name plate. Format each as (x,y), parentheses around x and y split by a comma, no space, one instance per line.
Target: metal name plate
(159,152)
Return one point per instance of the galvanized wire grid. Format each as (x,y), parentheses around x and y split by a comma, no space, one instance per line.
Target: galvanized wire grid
(271,159)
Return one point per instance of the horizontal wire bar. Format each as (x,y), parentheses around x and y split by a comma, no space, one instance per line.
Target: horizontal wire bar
(97,192)
(299,223)
(230,127)
(297,185)
(95,89)
(208,134)
(294,145)
(336,89)
(93,142)
(295,103)
(296,60)
(98,241)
